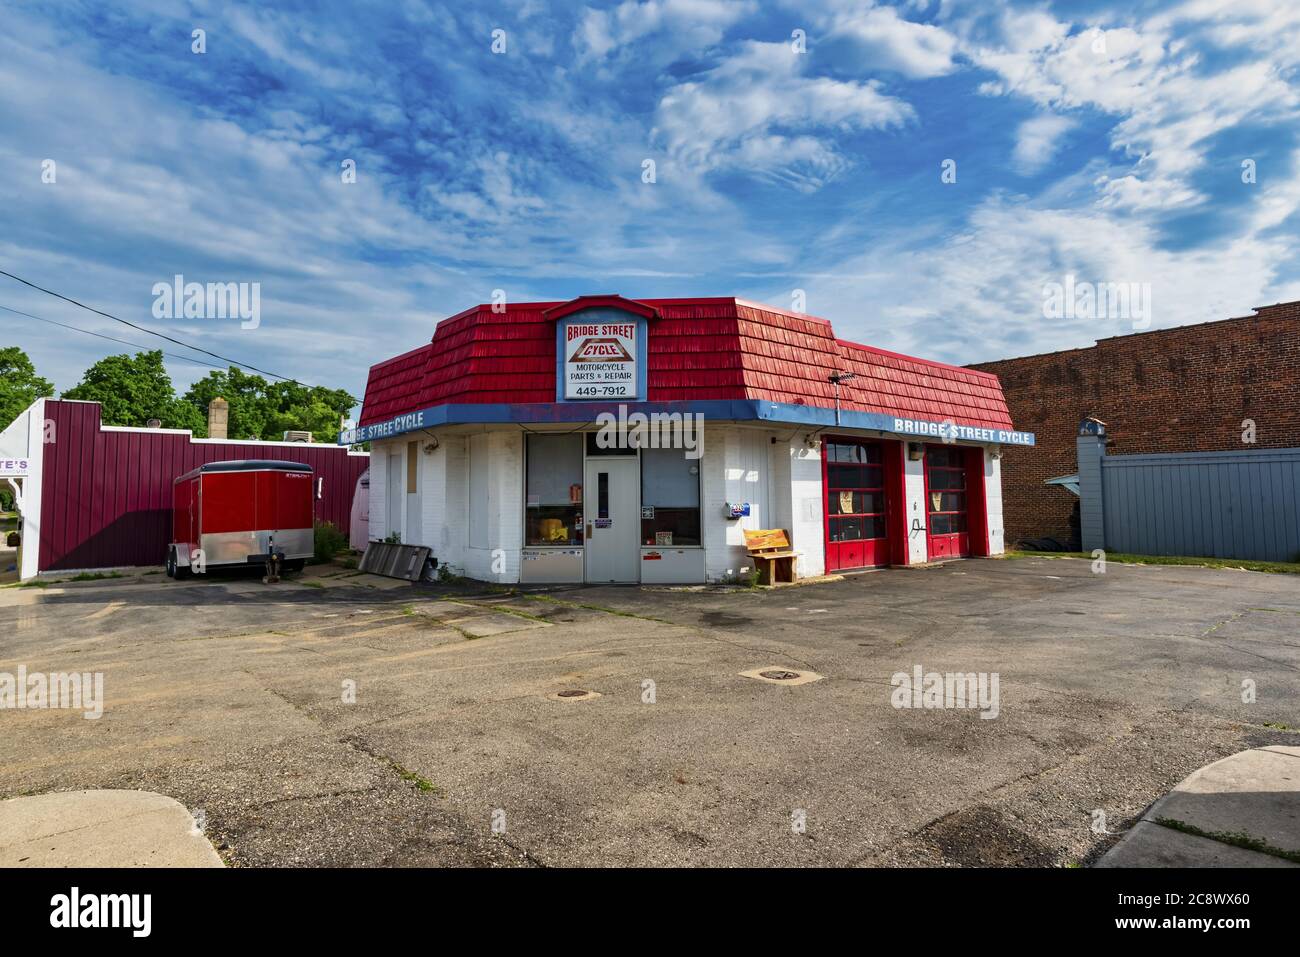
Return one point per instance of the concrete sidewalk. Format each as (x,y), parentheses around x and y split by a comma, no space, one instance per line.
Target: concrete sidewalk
(1242,811)
(101,829)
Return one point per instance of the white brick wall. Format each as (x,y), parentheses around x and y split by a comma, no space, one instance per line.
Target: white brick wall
(24,437)
(737,468)
(433,496)
(797,500)
(379,489)
(469,520)
(452,538)
(993,496)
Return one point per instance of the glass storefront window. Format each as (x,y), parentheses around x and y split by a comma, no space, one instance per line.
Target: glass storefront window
(553,492)
(670,498)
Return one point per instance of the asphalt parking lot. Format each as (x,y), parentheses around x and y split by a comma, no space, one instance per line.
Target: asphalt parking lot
(229,695)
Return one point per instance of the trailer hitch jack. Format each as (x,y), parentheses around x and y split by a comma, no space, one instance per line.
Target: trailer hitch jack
(273,560)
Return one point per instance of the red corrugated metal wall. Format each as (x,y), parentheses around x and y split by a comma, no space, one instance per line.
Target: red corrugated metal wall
(106,497)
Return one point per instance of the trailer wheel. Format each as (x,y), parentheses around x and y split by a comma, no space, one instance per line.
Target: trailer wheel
(174,568)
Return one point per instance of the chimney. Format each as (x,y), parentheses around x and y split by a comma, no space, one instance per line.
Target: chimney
(218,418)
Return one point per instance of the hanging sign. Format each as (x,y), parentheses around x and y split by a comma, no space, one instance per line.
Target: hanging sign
(600,360)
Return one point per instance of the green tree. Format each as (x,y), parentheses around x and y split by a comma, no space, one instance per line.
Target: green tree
(20,386)
(266,410)
(134,389)
(246,395)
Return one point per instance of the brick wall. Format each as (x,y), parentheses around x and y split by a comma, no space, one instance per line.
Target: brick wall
(1171,390)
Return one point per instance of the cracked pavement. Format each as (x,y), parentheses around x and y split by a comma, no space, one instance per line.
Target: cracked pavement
(229,695)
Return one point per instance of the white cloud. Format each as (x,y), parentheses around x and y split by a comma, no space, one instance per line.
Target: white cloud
(978,294)
(739,114)
(689,24)
(879,39)
(1038,139)
(1170,103)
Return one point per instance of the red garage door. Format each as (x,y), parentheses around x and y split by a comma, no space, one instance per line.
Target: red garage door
(947,501)
(857,526)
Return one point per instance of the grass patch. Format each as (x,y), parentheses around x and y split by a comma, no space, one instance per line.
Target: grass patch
(521,614)
(600,608)
(312,584)
(747,578)
(501,608)
(1234,838)
(83,577)
(1250,565)
(450,575)
(406,774)
(1276,726)
(421,783)
(328,542)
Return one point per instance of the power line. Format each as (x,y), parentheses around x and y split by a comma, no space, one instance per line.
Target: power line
(100,335)
(179,342)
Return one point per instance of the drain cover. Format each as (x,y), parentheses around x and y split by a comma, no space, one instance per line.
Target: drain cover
(574,694)
(782,676)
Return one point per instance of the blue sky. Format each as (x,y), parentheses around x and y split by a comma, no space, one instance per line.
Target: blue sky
(1100,140)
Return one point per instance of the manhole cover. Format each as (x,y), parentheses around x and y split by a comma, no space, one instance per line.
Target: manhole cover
(781,676)
(574,694)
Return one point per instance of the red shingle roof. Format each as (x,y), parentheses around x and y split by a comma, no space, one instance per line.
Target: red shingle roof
(698,350)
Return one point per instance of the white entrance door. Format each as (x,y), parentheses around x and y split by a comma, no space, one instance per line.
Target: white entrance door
(613,518)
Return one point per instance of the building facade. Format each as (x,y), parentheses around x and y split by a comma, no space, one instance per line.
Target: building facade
(1230,385)
(606,439)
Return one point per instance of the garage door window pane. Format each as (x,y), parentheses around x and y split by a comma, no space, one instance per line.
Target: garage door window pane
(847,529)
(947,479)
(947,524)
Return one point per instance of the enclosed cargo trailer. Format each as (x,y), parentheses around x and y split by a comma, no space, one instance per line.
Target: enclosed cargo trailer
(240,513)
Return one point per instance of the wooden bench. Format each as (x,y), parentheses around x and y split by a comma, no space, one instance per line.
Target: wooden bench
(772,555)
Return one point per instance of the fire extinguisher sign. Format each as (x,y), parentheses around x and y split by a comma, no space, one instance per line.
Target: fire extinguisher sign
(600,360)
